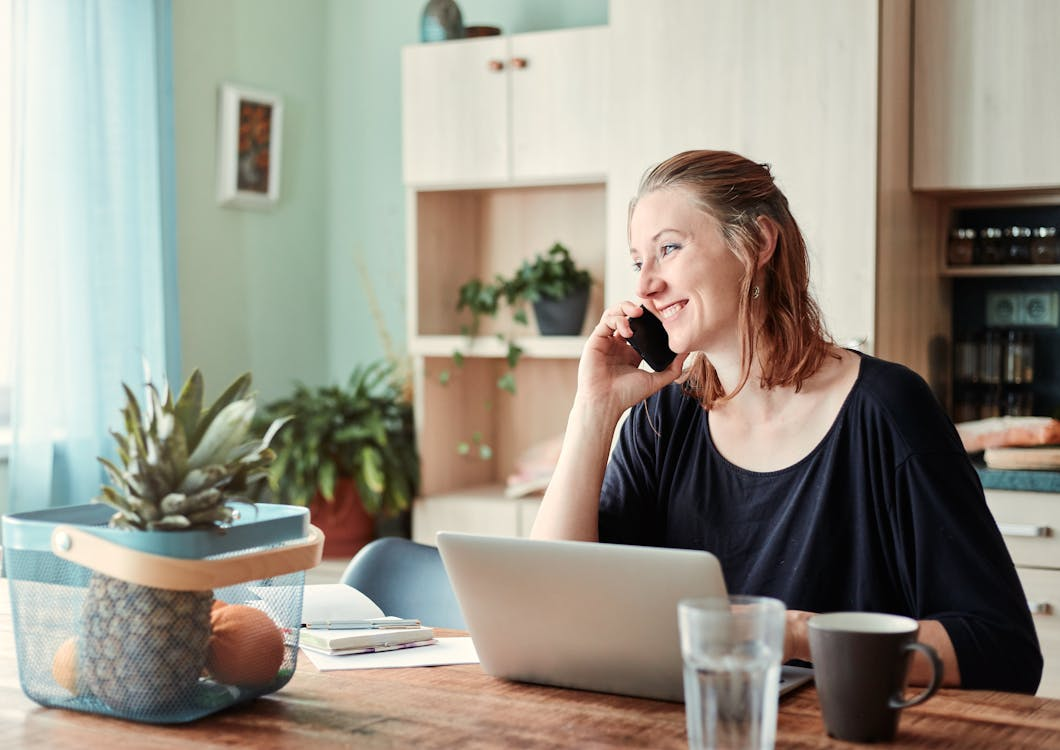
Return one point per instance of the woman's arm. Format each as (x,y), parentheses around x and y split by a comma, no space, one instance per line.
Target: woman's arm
(570,506)
(609,382)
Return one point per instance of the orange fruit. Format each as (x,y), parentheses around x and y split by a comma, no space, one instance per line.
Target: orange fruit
(64,665)
(246,648)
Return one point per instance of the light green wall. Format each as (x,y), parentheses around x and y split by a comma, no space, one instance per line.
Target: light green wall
(280,293)
(253,294)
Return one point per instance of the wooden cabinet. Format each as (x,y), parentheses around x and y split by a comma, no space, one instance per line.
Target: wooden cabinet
(528,107)
(503,155)
(986,111)
(816,88)
(1030,523)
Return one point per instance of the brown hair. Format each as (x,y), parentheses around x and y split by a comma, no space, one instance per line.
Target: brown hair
(783,325)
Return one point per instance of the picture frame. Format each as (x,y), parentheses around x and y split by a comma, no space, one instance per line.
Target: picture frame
(249,140)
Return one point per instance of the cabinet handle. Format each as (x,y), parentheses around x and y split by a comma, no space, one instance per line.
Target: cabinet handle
(1024,530)
(1040,608)
(495,66)
(519,62)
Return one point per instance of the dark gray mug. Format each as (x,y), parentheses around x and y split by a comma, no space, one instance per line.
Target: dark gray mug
(860,661)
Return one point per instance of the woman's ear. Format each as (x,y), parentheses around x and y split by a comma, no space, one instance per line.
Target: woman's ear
(769,232)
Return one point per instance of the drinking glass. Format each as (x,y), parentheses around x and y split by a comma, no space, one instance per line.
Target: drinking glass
(732,648)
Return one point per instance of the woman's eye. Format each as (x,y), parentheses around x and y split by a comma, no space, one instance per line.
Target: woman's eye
(636,266)
(669,248)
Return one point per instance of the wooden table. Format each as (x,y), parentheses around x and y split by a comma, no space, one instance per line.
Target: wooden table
(460,707)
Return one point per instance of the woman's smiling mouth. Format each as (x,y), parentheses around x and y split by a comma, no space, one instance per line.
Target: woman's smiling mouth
(671,310)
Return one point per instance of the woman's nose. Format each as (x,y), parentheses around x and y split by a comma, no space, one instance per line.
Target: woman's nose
(648,280)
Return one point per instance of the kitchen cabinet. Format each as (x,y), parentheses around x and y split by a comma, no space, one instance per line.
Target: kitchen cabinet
(524,107)
(986,105)
(1030,524)
(819,90)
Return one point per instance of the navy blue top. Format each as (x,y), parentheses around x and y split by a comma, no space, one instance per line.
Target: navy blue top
(886,514)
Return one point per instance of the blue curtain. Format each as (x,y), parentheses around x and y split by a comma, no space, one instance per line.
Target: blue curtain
(95,281)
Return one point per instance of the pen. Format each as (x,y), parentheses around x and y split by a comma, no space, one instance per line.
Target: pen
(361,624)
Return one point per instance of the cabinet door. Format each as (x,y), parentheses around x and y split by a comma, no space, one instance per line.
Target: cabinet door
(558,82)
(986,96)
(791,84)
(455,112)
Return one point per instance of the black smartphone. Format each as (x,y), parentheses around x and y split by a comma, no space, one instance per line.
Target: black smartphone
(650,340)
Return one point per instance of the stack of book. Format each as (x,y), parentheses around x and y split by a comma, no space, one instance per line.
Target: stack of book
(338,619)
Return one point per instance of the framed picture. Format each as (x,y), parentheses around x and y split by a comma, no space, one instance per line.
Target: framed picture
(249,134)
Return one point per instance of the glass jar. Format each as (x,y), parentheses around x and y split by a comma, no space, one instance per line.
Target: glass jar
(990,404)
(1018,361)
(961,248)
(1017,245)
(1017,403)
(990,358)
(990,250)
(965,405)
(1044,247)
(966,359)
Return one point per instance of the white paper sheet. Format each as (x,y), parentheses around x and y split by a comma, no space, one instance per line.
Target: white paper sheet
(446,651)
(336,601)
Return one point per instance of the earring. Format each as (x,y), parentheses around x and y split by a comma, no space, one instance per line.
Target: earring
(755,292)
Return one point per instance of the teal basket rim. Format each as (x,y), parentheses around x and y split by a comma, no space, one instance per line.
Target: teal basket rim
(258,525)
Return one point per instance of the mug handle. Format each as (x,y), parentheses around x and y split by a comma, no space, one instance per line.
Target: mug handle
(936,677)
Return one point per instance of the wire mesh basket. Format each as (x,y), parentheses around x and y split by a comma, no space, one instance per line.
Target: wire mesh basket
(156,626)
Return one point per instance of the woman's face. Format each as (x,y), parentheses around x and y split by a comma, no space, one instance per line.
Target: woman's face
(686,273)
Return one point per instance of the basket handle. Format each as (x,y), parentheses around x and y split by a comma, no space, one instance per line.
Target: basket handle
(179,574)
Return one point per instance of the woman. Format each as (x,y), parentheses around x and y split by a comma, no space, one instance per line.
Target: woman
(826,478)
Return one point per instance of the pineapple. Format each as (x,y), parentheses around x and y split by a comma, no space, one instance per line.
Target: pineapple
(143,649)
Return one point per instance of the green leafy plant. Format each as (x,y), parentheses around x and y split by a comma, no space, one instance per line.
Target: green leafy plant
(363,431)
(553,275)
(550,275)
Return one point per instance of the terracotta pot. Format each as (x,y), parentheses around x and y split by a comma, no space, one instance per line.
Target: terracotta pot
(346,525)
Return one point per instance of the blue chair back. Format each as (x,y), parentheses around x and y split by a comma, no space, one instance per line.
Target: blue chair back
(406,579)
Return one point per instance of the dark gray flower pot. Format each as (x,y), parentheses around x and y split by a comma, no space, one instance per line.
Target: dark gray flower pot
(562,317)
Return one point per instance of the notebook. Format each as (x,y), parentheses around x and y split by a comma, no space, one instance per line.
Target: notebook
(581,615)
(357,640)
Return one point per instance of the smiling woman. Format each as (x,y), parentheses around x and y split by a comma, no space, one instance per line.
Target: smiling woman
(825,478)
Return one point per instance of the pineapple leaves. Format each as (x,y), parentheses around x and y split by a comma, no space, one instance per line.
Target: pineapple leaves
(189,407)
(236,391)
(161,486)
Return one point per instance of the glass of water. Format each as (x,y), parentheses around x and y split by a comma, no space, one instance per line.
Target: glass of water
(732,647)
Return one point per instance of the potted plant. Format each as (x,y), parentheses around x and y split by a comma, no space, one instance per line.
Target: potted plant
(558,290)
(552,282)
(348,453)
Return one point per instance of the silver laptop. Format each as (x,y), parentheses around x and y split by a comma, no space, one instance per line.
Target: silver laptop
(581,615)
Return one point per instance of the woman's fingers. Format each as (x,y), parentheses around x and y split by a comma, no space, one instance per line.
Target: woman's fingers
(615,320)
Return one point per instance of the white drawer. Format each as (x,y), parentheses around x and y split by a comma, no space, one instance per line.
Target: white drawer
(1030,523)
(1043,593)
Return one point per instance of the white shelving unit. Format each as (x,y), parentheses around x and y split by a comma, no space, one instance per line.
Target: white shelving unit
(503,150)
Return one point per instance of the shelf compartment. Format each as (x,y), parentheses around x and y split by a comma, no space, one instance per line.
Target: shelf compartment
(472,403)
(483,509)
(466,234)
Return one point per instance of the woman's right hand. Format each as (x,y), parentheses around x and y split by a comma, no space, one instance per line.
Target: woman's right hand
(609,373)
